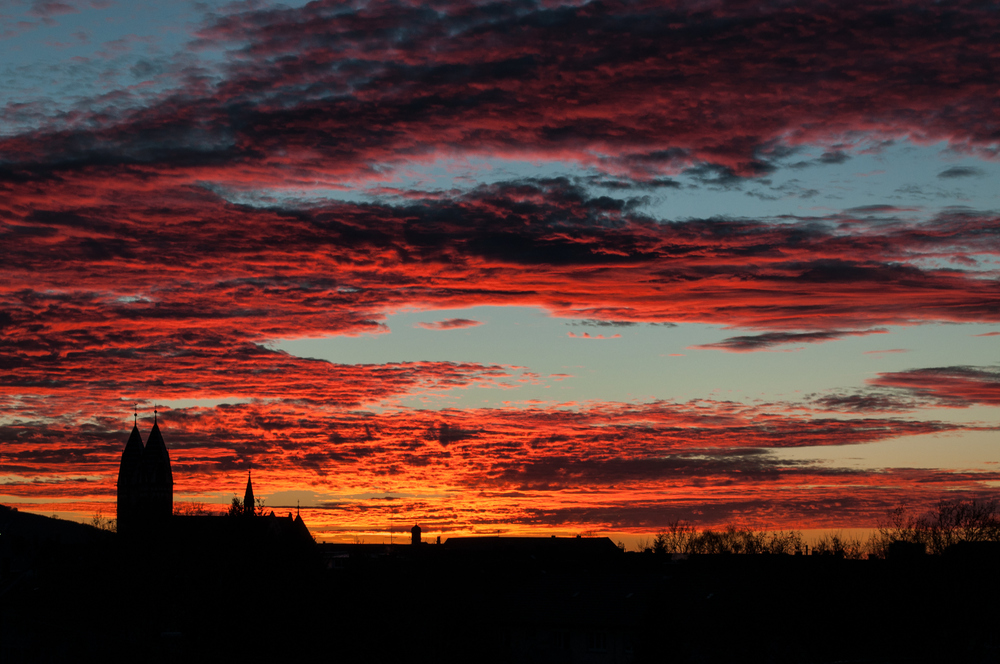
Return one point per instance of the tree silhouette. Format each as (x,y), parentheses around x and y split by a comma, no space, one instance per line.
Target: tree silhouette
(682,538)
(951,522)
(190,509)
(104,523)
(840,546)
(236,507)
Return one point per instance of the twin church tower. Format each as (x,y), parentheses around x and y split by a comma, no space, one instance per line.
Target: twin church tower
(146,505)
(145,483)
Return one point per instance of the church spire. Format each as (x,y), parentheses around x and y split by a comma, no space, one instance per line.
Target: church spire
(248,500)
(129,481)
(157,477)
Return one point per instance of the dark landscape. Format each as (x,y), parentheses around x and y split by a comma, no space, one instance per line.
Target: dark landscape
(74,592)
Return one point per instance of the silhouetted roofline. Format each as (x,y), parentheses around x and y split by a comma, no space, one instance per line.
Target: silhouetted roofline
(155,458)
(131,456)
(561,545)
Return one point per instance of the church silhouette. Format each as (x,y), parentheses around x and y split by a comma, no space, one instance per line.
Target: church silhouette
(146,502)
(145,482)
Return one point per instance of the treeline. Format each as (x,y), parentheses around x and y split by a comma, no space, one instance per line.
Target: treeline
(683,538)
(950,524)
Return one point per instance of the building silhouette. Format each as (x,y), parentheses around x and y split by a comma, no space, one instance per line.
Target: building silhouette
(146,504)
(145,481)
(248,499)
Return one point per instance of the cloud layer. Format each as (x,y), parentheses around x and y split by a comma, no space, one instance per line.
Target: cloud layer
(336,88)
(155,243)
(507,465)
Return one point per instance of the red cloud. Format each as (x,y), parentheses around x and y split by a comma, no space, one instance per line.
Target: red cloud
(98,260)
(947,386)
(449,324)
(506,464)
(900,391)
(645,86)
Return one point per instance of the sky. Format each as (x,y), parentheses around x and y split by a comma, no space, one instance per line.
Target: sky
(529,267)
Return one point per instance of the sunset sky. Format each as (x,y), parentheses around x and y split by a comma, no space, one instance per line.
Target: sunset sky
(527,267)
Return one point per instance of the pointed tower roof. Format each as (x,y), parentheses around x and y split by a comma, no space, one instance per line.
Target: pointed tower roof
(248,500)
(131,456)
(155,460)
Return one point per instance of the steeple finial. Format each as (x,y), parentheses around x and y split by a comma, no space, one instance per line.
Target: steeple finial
(135,414)
(154,413)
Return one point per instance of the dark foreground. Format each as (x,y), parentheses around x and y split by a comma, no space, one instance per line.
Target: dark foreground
(89,595)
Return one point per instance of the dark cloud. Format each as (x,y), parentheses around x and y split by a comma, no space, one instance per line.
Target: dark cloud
(899,391)
(49,8)
(749,344)
(602,323)
(828,157)
(960,172)
(726,177)
(867,402)
(642,89)
(876,209)
(593,322)
(959,386)
(722,468)
(865,506)
(834,157)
